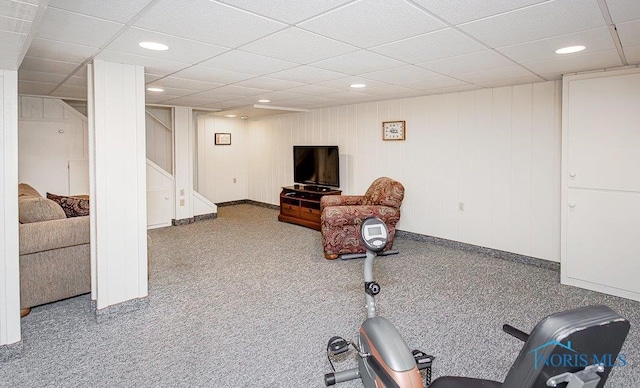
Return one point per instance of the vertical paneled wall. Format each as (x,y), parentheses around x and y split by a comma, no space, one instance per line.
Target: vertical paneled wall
(494,152)
(9,275)
(119,186)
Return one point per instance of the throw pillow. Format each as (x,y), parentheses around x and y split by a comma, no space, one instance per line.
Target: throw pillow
(38,209)
(73,207)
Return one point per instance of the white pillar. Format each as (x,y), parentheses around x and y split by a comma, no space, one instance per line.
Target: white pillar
(9,263)
(183,159)
(118,186)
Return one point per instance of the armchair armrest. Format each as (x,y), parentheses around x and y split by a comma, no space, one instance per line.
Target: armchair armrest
(47,235)
(338,216)
(340,200)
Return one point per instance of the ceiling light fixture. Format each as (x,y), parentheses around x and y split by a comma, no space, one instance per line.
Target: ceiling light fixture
(155,89)
(230,115)
(570,49)
(357,86)
(154,46)
(264,101)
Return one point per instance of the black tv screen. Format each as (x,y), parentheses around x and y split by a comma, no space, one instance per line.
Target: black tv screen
(316,165)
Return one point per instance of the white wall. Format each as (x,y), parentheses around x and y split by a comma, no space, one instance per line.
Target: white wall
(496,150)
(9,265)
(119,211)
(159,134)
(222,169)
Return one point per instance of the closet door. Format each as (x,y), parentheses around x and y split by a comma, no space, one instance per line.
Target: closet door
(601,182)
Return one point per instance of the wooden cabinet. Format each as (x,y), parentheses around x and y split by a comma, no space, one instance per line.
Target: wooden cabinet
(302,205)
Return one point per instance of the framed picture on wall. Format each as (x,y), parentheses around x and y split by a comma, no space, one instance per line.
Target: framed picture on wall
(223,139)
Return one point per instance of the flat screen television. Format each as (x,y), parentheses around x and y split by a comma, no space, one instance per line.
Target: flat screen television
(316,166)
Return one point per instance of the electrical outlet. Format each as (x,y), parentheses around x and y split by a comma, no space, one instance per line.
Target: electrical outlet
(182,192)
(182,202)
(461,206)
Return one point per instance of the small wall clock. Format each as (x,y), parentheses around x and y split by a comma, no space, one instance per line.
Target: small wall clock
(394,130)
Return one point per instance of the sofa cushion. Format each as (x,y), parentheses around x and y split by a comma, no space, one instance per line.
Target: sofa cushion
(25,189)
(72,206)
(38,209)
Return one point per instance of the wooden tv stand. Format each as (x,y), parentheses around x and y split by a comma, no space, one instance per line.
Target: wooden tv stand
(302,206)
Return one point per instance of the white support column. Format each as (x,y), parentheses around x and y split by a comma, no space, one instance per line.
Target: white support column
(118,187)
(9,262)
(183,157)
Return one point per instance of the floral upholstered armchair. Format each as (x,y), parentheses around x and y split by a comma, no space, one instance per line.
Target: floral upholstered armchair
(342,215)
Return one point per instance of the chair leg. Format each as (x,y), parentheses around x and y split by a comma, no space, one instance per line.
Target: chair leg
(330,256)
(24,312)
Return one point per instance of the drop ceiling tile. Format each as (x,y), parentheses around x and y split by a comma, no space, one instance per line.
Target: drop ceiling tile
(59,51)
(153,65)
(269,83)
(350,97)
(598,39)
(460,11)
(18,10)
(624,10)
(156,98)
(307,74)
(577,62)
(484,77)
(115,10)
(188,101)
(390,90)
(8,60)
(77,81)
(345,83)
(500,82)
(229,92)
(540,21)
(74,28)
(480,60)
(17,26)
(629,33)
(177,92)
(207,21)
(183,83)
(208,74)
(632,53)
(35,88)
(402,74)
(429,47)
(434,83)
(361,61)
(313,90)
(370,23)
(12,42)
(276,98)
(48,66)
(67,91)
(455,89)
(248,63)
(180,50)
(287,11)
(299,46)
(39,76)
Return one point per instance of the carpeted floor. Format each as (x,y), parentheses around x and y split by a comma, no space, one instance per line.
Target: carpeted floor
(244,300)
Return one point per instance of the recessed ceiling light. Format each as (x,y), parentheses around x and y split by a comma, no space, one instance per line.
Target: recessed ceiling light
(356,86)
(570,49)
(230,115)
(154,46)
(155,89)
(264,101)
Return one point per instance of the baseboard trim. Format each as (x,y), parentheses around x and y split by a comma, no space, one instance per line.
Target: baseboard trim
(248,202)
(10,351)
(187,221)
(504,255)
(116,310)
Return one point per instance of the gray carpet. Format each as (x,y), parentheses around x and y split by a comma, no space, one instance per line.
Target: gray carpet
(244,300)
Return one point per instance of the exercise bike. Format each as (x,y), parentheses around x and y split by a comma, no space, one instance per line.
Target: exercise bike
(384,359)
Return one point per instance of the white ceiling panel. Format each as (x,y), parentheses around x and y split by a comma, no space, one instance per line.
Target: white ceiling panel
(48,66)
(180,50)
(11,42)
(153,65)
(35,88)
(287,11)
(120,11)
(349,97)
(313,90)
(269,83)
(368,23)
(18,10)
(632,53)
(501,81)
(78,29)
(229,92)
(299,46)
(307,75)
(188,101)
(77,81)
(573,63)
(208,74)
(59,51)
(207,21)
(540,21)
(169,91)
(598,39)
(429,47)
(624,10)
(390,90)
(248,63)
(433,83)
(455,89)
(40,76)
(182,83)
(358,62)
(460,11)
(346,82)
(8,60)
(69,91)
(484,77)
(480,60)
(629,32)
(401,75)
(18,26)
